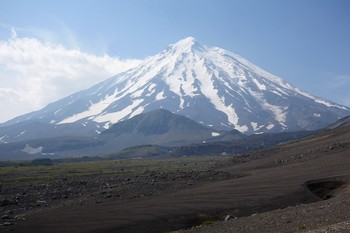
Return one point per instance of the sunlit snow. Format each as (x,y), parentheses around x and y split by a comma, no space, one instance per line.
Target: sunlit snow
(115,117)
(215,134)
(21,133)
(32,150)
(188,77)
(2,139)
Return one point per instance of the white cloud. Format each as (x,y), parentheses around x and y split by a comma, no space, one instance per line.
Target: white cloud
(13,33)
(34,73)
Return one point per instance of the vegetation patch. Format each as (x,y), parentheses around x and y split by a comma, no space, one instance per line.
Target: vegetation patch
(208,222)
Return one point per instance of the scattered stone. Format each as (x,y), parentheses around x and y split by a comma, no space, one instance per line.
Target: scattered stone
(6,224)
(9,212)
(17,217)
(7,202)
(5,217)
(41,202)
(228,217)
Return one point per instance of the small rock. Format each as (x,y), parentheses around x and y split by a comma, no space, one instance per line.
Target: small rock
(18,216)
(228,217)
(5,217)
(9,212)
(6,224)
(41,202)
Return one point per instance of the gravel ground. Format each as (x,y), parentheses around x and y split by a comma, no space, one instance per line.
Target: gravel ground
(332,215)
(278,190)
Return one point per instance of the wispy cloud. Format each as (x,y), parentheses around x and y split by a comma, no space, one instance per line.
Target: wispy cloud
(35,73)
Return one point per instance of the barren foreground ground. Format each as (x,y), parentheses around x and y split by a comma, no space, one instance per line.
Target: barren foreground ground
(277,190)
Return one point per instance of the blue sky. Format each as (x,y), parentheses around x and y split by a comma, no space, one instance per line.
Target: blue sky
(306,42)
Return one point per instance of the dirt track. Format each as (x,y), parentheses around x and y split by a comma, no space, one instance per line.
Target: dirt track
(274,179)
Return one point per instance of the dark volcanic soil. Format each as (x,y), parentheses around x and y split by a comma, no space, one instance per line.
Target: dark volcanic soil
(281,190)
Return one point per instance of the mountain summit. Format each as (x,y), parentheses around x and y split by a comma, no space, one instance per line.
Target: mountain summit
(210,85)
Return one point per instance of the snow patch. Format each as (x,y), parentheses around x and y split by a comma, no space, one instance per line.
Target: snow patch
(270,126)
(137,111)
(328,104)
(107,125)
(279,112)
(241,128)
(259,133)
(137,94)
(160,96)
(23,132)
(317,115)
(2,139)
(115,117)
(277,93)
(151,89)
(215,134)
(255,126)
(261,86)
(32,150)
(58,111)
(93,110)
(324,103)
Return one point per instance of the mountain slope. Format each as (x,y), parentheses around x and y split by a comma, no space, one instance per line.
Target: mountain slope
(158,122)
(209,85)
(158,127)
(340,123)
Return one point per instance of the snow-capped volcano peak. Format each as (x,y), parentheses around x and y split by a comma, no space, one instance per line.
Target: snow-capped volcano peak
(209,85)
(188,44)
(185,43)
